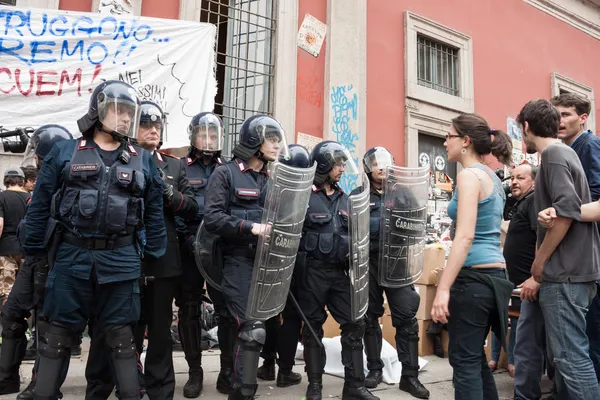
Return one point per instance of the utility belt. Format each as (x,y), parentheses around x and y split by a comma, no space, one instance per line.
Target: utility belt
(98,243)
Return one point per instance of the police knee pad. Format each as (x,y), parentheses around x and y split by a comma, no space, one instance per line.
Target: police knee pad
(12,328)
(253,334)
(409,329)
(120,340)
(307,337)
(371,321)
(355,331)
(56,341)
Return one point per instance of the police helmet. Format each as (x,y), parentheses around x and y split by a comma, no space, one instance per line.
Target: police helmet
(253,133)
(377,158)
(114,108)
(152,114)
(46,136)
(299,157)
(327,154)
(206,133)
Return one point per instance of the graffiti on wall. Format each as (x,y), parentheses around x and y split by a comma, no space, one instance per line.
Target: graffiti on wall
(344,104)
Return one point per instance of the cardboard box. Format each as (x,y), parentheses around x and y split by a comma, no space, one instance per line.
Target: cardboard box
(435,260)
(427,294)
(330,327)
(425,342)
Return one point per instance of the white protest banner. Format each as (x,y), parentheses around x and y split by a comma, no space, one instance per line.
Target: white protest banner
(50,62)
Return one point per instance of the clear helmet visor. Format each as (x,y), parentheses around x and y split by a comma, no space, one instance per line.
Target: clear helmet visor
(274,145)
(207,135)
(380,159)
(153,120)
(119,115)
(342,161)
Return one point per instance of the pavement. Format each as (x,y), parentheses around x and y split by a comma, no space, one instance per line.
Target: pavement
(437,377)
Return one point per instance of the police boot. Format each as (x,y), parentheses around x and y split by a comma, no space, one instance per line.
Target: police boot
(409,382)
(286,378)
(27,394)
(226,333)
(125,361)
(354,385)
(373,351)
(14,344)
(54,346)
(267,371)
(314,369)
(190,333)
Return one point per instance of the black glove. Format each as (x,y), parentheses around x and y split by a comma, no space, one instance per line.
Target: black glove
(40,275)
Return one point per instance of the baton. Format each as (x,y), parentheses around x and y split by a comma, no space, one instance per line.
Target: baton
(310,328)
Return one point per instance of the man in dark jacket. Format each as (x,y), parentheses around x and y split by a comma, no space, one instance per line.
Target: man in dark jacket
(574,111)
(162,275)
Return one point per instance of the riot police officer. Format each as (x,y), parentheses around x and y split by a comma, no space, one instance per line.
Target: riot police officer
(282,338)
(206,142)
(27,292)
(324,273)
(403,302)
(106,197)
(161,276)
(234,203)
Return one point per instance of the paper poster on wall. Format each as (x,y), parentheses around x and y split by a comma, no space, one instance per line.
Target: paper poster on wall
(311,35)
(308,141)
(52,60)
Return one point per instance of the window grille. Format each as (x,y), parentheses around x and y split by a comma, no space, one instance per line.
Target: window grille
(437,65)
(8,2)
(245,60)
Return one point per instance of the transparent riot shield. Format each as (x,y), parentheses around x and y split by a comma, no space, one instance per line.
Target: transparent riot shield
(358,229)
(288,193)
(404,220)
(209,257)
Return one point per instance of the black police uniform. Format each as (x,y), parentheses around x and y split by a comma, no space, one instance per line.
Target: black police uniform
(157,300)
(325,278)
(403,303)
(190,292)
(103,209)
(234,202)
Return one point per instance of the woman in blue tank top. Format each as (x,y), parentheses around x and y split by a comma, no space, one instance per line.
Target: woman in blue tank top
(473,292)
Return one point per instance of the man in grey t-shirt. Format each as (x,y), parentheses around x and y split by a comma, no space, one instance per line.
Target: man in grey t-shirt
(568,254)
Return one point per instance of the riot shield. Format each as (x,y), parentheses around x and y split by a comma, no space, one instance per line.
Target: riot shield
(358,229)
(404,219)
(288,193)
(209,256)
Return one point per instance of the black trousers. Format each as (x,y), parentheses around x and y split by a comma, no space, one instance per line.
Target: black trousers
(157,317)
(403,303)
(320,286)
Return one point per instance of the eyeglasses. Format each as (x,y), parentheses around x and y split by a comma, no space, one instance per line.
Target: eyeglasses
(448,136)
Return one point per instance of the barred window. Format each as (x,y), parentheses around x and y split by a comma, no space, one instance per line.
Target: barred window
(245,60)
(437,65)
(8,2)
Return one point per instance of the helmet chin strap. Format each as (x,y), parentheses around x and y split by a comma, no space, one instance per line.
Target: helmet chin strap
(115,135)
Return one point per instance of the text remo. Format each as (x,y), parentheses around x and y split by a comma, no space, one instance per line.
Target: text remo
(66,36)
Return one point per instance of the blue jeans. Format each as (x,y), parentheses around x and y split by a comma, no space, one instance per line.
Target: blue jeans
(472,309)
(497,346)
(564,306)
(593,333)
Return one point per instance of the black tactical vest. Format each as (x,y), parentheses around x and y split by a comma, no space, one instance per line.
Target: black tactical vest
(325,237)
(100,201)
(198,174)
(246,198)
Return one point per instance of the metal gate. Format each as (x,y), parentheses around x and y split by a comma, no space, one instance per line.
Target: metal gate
(245,60)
